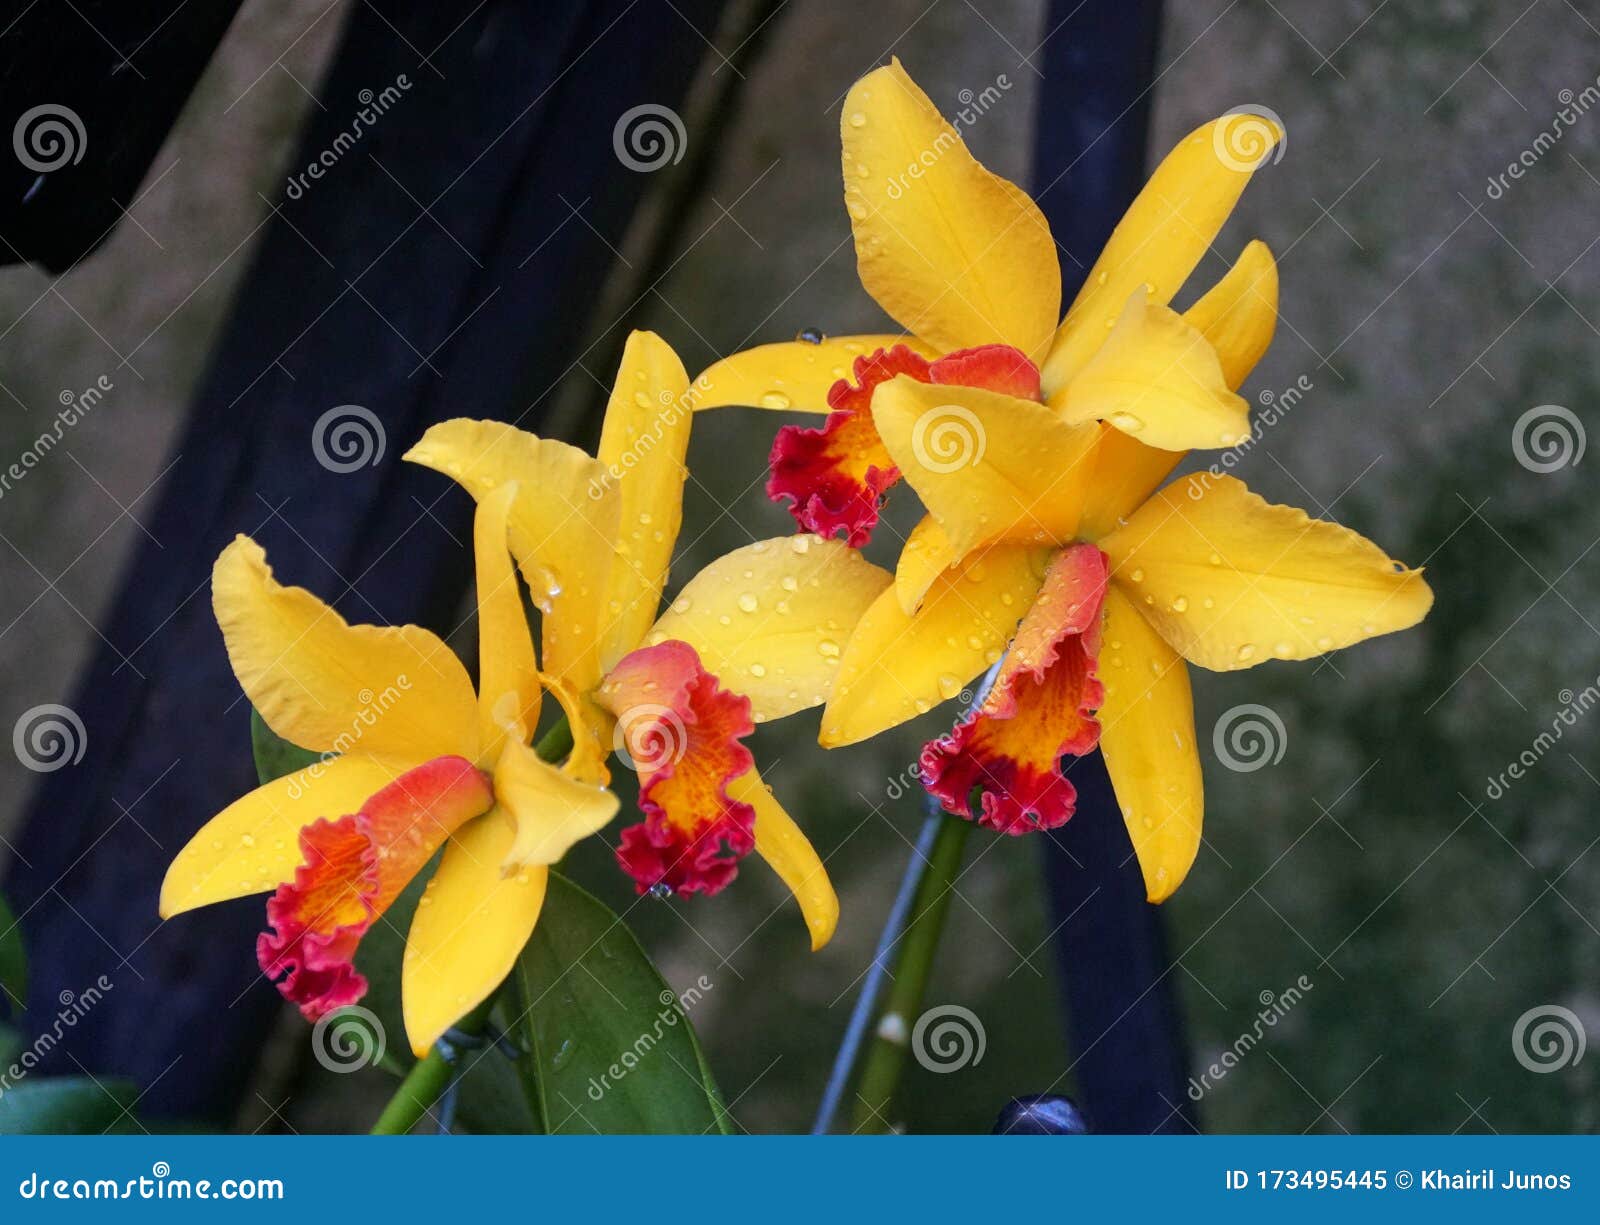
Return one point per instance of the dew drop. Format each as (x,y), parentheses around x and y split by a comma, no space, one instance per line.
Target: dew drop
(829,647)
(858,119)
(810,336)
(949,685)
(748,603)
(774,399)
(1247,651)
(757,671)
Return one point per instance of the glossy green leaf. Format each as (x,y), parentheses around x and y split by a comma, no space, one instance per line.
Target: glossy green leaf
(274,755)
(67,1105)
(609,1047)
(13,963)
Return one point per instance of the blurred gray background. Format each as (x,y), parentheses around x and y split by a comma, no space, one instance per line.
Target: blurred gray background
(1427,313)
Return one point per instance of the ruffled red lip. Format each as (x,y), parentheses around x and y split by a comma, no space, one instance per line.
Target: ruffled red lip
(682,731)
(1039,710)
(353,868)
(834,478)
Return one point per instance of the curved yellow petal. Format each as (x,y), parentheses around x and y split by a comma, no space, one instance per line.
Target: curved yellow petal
(792,374)
(770,620)
(987,466)
(895,666)
(1157,378)
(926,554)
(563,526)
(1163,235)
(789,853)
(591,726)
(1123,473)
(1239,314)
(1147,737)
(645,439)
(955,254)
(509,695)
(1231,580)
(552,808)
(253,845)
(332,687)
(467,931)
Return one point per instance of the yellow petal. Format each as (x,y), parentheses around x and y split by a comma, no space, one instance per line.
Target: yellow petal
(467,931)
(591,728)
(926,554)
(552,808)
(253,845)
(895,666)
(770,620)
(789,853)
(332,687)
(792,374)
(957,255)
(987,466)
(1158,379)
(563,526)
(645,439)
(1231,580)
(1239,314)
(1163,235)
(1123,472)
(508,674)
(1147,736)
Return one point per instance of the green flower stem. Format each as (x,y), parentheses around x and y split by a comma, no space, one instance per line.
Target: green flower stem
(886,1057)
(431,1075)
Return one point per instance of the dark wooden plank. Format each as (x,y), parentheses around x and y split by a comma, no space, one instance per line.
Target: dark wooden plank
(1127,1034)
(90,90)
(356,297)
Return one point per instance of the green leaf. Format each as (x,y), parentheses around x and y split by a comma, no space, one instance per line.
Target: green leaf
(67,1105)
(276,756)
(13,962)
(609,1048)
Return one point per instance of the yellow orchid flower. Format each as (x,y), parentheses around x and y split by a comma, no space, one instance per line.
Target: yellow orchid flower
(414,760)
(1036,444)
(756,635)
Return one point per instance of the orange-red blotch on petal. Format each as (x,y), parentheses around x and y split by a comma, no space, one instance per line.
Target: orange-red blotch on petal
(1040,709)
(835,477)
(682,732)
(353,868)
